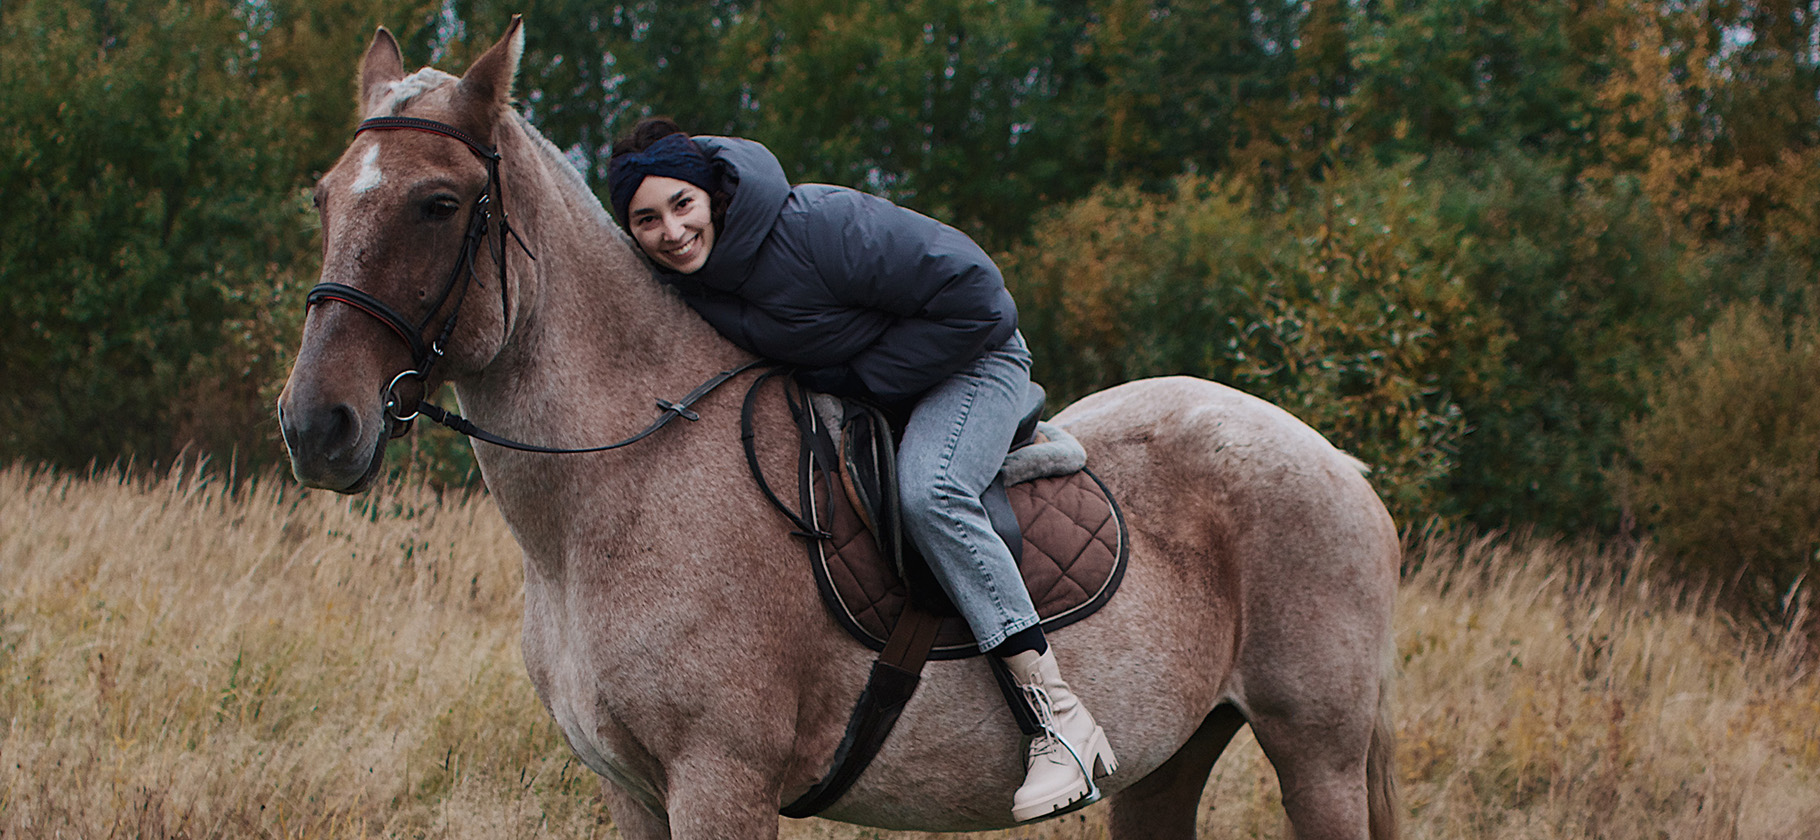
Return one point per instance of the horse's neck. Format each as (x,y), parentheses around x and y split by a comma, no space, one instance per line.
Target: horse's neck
(594,338)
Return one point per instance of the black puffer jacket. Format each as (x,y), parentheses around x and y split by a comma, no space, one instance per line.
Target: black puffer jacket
(877,300)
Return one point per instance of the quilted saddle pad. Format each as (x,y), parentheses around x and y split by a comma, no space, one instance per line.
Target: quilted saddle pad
(1074,553)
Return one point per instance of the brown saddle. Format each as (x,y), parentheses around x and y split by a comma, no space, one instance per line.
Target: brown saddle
(1068,536)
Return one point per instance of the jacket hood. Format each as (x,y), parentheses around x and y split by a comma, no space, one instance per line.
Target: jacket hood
(759,189)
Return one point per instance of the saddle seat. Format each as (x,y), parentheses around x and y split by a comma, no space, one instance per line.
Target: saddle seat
(1060,521)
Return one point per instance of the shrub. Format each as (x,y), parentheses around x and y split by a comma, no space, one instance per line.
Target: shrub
(1341,305)
(1723,467)
(1591,292)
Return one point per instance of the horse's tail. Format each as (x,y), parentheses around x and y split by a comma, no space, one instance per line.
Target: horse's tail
(1381,762)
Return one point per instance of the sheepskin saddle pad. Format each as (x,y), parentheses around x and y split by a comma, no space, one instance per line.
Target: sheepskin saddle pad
(1059,520)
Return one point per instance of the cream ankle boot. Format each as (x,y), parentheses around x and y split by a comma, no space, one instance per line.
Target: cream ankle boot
(1071,750)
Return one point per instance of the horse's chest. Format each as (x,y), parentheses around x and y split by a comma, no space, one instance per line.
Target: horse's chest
(566,665)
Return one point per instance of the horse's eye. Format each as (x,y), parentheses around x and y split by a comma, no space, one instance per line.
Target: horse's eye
(441,207)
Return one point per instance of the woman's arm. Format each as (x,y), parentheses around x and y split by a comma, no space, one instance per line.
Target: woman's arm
(946,295)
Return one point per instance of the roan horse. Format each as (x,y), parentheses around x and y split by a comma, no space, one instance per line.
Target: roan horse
(671,625)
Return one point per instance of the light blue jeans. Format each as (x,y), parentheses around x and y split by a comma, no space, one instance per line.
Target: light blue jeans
(953,446)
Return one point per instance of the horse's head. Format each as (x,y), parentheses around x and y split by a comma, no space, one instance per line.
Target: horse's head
(412,235)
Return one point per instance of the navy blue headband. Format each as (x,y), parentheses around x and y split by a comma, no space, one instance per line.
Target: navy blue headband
(674,156)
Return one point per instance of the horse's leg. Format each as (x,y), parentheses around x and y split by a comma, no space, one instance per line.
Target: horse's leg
(696,812)
(1320,753)
(1164,804)
(716,796)
(634,821)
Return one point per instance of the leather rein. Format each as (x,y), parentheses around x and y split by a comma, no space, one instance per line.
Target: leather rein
(424,355)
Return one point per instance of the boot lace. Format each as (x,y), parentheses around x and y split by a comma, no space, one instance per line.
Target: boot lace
(1045,719)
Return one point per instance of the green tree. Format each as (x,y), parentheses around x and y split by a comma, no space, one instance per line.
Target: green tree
(1477,75)
(977,112)
(152,229)
(1340,303)
(307,54)
(913,101)
(1590,294)
(1160,85)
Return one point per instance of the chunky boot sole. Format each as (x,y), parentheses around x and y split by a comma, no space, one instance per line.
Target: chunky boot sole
(1102,763)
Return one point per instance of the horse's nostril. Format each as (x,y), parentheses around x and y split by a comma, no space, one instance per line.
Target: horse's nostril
(338,427)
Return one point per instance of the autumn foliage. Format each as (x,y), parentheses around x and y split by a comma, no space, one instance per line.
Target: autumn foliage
(1463,238)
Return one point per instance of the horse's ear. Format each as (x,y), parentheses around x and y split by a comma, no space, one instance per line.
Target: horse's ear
(383,65)
(488,81)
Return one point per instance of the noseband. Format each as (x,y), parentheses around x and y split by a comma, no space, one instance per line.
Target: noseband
(424,355)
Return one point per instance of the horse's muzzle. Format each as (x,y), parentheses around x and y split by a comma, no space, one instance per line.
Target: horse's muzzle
(330,447)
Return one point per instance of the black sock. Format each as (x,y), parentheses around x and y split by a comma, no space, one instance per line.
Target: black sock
(1029,638)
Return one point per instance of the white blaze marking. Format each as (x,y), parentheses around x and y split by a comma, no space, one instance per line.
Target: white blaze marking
(369,176)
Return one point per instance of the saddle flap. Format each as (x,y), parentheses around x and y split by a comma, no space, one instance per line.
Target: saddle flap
(1074,554)
(1066,530)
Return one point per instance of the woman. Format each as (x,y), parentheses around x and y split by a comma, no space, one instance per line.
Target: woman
(873,300)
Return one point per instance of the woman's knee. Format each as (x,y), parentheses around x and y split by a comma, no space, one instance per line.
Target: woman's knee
(927,498)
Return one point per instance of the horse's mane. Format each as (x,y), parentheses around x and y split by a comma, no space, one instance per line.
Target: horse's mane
(410,87)
(558,162)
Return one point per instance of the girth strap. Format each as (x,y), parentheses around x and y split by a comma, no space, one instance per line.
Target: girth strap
(898,670)
(894,679)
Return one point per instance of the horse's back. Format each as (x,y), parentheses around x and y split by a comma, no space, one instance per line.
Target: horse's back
(1220,433)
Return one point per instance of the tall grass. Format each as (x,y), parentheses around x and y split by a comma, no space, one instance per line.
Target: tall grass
(182,658)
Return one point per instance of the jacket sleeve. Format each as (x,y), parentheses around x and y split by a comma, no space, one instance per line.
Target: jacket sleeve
(947,298)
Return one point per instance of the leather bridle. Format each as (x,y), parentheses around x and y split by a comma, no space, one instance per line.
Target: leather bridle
(424,355)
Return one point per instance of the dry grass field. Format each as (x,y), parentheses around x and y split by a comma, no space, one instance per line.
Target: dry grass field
(179,660)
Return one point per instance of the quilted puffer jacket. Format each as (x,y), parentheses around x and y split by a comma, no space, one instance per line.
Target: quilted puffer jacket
(874,299)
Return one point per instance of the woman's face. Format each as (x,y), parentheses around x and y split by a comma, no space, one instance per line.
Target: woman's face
(671,221)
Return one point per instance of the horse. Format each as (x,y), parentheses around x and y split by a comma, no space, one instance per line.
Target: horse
(672,628)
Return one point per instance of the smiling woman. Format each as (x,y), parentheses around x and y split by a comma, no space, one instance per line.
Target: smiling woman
(670,220)
(668,207)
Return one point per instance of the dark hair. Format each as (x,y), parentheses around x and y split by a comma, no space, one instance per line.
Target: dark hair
(652,129)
